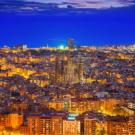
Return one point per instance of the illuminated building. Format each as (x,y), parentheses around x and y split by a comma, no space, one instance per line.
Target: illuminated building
(73,70)
(40,80)
(107,105)
(117,125)
(13,121)
(24,130)
(131,125)
(97,123)
(82,105)
(57,105)
(20,47)
(94,124)
(69,70)
(89,126)
(34,125)
(57,125)
(60,105)
(71,126)
(45,125)
(19,106)
(72,74)
(67,104)
(3,121)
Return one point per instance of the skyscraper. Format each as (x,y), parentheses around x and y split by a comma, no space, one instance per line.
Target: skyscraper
(71,43)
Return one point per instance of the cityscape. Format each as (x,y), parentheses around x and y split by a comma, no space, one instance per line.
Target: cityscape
(67,67)
(67,90)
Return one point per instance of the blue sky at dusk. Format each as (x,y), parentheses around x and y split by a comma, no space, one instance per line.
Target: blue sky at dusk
(89,22)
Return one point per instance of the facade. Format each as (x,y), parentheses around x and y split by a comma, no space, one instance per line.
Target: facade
(71,127)
(68,71)
(13,121)
(89,126)
(44,125)
(91,123)
(95,124)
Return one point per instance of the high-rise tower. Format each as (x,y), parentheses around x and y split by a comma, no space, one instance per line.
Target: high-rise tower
(71,43)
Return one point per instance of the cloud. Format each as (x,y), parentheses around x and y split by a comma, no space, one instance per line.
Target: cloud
(60,7)
(96,4)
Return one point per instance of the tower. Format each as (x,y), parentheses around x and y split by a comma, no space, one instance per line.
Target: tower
(73,71)
(80,69)
(71,43)
(68,71)
(59,68)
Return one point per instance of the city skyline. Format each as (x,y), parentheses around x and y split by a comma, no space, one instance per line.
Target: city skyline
(82,91)
(67,67)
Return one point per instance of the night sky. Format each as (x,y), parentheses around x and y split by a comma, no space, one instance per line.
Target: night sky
(91,22)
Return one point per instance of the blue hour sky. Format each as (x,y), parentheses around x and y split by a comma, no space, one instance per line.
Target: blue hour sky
(89,22)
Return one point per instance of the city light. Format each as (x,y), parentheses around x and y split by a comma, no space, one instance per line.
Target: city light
(68,93)
(61,47)
(67,67)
